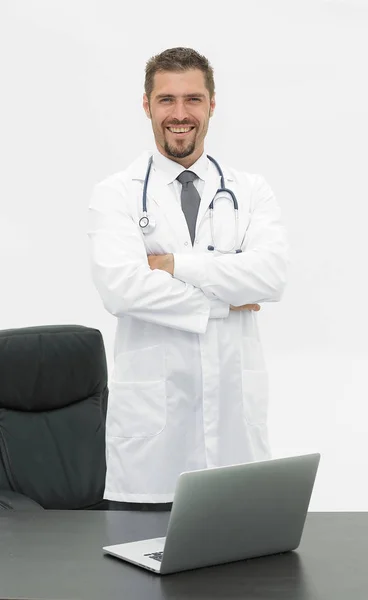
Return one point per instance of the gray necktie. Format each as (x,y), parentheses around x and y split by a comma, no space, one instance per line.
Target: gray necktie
(190,200)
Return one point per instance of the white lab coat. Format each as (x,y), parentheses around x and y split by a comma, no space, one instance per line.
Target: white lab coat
(189,387)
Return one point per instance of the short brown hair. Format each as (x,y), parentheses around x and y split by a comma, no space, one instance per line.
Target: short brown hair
(176,60)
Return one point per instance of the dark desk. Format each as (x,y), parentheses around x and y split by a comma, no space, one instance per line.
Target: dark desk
(58,555)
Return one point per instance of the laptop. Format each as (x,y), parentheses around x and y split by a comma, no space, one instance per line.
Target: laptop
(225,514)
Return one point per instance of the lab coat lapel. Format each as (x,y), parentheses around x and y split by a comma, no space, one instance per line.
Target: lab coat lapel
(159,193)
(211,186)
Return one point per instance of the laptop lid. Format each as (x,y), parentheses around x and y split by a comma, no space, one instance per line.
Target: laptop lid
(231,513)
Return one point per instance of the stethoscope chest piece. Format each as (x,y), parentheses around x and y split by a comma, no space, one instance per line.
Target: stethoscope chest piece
(147,224)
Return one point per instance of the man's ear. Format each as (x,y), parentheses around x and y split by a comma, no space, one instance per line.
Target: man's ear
(212,105)
(146,106)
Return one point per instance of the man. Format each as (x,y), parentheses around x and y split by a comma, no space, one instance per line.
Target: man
(189,385)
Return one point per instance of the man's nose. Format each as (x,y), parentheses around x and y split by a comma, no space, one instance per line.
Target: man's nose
(179,111)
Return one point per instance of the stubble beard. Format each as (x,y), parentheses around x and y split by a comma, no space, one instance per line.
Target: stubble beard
(176,152)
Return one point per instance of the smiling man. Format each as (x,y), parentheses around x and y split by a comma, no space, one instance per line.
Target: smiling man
(179,121)
(183,252)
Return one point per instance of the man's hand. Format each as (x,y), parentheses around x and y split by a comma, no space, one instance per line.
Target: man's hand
(255,307)
(163,262)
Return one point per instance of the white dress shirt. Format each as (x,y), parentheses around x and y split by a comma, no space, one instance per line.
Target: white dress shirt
(170,170)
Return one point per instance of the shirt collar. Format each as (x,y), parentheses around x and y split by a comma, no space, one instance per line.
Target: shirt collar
(169,169)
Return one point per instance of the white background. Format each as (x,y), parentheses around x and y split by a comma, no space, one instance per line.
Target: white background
(292,97)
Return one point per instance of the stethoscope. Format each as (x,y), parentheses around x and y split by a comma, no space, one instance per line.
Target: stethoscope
(148,224)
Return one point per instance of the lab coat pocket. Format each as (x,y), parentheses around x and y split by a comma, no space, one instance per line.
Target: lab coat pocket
(255,396)
(137,409)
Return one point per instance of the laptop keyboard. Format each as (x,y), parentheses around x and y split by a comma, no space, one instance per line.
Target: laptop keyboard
(155,555)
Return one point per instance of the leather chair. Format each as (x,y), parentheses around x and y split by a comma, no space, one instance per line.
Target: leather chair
(53,402)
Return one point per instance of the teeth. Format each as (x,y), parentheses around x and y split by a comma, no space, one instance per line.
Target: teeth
(180,129)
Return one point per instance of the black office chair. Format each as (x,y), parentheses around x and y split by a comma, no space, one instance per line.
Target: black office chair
(53,401)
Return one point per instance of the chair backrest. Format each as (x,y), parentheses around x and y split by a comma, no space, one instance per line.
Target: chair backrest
(53,401)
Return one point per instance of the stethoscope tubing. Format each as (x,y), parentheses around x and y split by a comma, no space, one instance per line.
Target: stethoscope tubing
(147,224)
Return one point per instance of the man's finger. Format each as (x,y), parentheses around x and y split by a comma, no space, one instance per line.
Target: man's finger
(255,307)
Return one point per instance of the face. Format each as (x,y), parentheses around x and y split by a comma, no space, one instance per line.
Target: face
(180,108)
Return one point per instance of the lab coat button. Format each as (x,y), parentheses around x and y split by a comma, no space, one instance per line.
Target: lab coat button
(185,243)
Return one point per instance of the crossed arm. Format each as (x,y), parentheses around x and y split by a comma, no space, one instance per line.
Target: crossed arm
(258,274)
(183,290)
(165,262)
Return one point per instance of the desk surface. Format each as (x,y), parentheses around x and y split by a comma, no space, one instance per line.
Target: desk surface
(57,555)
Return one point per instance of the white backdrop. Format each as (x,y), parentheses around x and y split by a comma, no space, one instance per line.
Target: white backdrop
(292,99)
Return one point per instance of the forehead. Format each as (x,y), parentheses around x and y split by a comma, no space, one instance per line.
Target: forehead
(181,82)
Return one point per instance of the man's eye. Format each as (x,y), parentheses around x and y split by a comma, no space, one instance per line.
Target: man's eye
(166,100)
(195,99)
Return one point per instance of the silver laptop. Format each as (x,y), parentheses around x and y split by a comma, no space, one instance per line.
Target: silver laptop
(230,513)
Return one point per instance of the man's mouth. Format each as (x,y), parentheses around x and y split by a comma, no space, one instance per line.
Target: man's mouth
(180,131)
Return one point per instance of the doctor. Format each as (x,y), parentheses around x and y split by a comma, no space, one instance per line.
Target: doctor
(184,278)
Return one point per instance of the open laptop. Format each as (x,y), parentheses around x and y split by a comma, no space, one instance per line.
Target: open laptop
(226,514)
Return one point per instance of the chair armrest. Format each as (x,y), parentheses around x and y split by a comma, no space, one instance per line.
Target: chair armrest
(13,501)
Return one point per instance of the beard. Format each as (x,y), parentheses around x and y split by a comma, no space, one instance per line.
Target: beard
(176,152)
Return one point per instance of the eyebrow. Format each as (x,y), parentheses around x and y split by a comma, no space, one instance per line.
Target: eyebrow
(159,96)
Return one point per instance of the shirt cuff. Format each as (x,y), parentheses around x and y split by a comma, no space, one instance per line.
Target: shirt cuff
(190,268)
(219,309)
